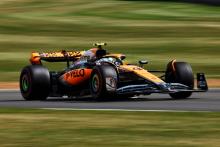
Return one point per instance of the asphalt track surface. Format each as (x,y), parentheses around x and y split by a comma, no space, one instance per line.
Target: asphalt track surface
(208,101)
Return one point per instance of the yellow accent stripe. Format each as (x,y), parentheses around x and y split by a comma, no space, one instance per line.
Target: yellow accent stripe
(142,73)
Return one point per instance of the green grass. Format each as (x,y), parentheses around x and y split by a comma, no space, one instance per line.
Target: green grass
(156,31)
(35,127)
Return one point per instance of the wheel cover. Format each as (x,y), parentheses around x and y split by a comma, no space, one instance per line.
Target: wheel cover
(95,83)
(25,83)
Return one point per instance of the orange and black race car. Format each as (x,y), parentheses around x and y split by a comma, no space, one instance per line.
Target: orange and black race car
(102,75)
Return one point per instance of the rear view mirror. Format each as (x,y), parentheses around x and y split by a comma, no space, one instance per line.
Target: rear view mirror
(142,62)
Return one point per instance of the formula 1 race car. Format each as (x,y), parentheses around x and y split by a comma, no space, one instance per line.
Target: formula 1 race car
(102,75)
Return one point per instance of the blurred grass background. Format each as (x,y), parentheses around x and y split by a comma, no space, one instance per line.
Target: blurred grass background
(154,30)
(48,128)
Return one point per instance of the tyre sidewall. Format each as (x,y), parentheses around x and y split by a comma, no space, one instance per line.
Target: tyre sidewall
(101,89)
(103,72)
(39,78)
(182,73)
(26,74)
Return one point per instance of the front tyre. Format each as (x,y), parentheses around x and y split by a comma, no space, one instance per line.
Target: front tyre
(180,72)
(35,82)
(103,82)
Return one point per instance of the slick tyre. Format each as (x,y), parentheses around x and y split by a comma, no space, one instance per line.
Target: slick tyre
(35,82)
(180,72)
(103,82)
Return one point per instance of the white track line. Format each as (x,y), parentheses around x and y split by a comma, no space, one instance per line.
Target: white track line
(123,110)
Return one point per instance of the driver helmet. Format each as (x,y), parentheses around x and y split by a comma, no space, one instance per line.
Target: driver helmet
(94,53)
(90,54)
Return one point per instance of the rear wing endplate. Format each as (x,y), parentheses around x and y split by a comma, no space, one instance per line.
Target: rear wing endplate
(201,82)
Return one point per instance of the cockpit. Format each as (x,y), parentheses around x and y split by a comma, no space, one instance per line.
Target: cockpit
(98,56)
(111,59)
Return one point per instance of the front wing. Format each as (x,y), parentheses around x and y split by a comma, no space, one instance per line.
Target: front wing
(164,87)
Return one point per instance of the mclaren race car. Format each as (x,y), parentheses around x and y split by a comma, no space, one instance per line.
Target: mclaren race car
(103,75)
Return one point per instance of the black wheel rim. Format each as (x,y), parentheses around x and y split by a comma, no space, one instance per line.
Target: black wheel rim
(25,83)
(95,83)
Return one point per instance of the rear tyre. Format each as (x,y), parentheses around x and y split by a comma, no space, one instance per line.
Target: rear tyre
(180,72)
(103,82)
(35,82)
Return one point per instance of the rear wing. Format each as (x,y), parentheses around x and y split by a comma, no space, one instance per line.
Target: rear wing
(62,56)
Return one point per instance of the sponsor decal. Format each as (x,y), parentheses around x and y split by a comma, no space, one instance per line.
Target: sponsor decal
(59,54)
(137,68)
(76,73)
(110,84)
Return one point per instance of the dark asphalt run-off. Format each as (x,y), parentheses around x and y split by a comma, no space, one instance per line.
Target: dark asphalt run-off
(205,101)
